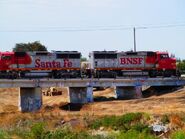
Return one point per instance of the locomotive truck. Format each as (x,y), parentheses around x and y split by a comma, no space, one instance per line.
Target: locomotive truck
(102,64)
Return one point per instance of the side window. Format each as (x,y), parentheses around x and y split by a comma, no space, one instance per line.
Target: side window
(74,56)
(99,56)
(6,57)
(96,63)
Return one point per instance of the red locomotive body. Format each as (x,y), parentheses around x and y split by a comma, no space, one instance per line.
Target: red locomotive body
(57,64)
(18,59)
(13,58)
(165,62)
(113,64)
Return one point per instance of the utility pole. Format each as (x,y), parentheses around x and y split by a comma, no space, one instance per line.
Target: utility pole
(134,39)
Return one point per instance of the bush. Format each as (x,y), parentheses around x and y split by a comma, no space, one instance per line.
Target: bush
(4,135)
(22,133)
(140,127)
(66,133)
(165,119)
(59,133)
(37,130)
(178,135)
(130,117)
(124,122)
(133,134)
(107,121)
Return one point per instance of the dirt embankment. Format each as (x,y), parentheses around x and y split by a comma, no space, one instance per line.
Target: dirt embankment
(155,102)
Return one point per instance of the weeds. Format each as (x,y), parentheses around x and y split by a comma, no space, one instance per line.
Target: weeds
(4,135)
(165,119)
(38,130)
(127,126)
(133,134)
(178,135)
(124,122)
(22,133)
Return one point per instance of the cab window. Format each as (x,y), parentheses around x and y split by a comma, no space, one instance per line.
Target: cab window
(164,56)
(6,57)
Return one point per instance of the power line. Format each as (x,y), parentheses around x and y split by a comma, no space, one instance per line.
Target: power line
(93,28)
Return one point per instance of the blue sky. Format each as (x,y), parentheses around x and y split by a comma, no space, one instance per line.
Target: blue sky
(88,25)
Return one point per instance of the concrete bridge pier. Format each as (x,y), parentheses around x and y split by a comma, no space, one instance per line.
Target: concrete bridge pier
(128,92)
(30,99)
(80,94)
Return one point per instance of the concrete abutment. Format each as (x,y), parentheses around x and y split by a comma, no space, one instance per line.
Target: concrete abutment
(128,92)
(80,95)
(30,99)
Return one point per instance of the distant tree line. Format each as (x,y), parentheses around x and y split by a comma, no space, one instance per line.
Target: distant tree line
(34,46)
(181,65)
(30,46)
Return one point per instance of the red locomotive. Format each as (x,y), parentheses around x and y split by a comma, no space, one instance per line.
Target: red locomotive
(103,64)
(113,64)
(57,64)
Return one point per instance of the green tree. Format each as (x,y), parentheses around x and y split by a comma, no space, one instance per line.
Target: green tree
(181,65)
(83,59)
(30,46)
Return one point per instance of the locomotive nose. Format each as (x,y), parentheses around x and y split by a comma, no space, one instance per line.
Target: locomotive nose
(173,62)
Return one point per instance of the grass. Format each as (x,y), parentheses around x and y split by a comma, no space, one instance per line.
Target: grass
(38,130)
(165,119)
(133,134)
(127,126)
(178,135)
(124,122)
(4,135)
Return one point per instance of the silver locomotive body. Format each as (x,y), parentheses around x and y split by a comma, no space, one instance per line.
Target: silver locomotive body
(56,64)
(103,63)
(113,63)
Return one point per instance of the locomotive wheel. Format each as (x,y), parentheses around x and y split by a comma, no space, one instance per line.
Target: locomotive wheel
(56,74)
(167,73)
(177,73)
(12,75)
(97,74)
(152,74)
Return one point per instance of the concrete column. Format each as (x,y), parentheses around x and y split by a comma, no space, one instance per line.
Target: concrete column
(80,94)
(128,92)
(30,99)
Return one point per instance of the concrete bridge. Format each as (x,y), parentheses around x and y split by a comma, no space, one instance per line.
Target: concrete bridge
(81,90)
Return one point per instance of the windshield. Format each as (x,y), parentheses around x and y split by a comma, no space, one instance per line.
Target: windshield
(164,56)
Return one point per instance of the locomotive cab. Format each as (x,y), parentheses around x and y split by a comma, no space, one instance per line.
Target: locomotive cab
(12,64)
(5,60)
(166,66)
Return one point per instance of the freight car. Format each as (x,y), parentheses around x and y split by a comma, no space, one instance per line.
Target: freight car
(142,63)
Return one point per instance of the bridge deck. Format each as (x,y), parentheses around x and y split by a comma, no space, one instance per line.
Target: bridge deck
(5,83)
